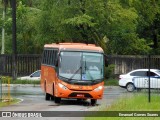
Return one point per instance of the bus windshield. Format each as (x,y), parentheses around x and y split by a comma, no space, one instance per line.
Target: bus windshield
(81,65)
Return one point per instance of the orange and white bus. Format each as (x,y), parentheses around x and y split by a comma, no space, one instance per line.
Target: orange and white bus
(72,70)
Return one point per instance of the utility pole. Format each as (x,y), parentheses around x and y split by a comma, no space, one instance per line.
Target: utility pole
(14,44)
(149,80)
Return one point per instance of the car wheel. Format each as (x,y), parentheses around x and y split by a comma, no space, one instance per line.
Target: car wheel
(130,87)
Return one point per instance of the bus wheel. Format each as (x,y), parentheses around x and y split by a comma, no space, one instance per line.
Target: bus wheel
(93,102)
(57,99)
(47,97)
(52,96)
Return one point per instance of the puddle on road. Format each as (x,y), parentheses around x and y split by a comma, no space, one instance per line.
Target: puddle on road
(54,105)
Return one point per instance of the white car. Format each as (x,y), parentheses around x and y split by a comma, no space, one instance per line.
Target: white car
(138,79)
(34,76)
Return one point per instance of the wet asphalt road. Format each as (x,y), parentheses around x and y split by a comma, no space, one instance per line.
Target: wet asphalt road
(33,99)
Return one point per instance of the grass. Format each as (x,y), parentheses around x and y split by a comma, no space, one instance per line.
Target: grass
(5,81)
(111,82)
(13,101)
(138,102)
(24,82)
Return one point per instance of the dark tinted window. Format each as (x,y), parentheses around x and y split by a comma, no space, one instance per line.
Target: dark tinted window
(139,73)
(50,56)
(151,74)
(44,56)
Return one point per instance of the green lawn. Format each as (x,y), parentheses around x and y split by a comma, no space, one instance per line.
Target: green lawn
(3,104)
(138,102)
(111,82)
(25,82)
(5,81)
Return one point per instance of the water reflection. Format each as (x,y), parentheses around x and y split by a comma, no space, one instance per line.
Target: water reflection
(22,90)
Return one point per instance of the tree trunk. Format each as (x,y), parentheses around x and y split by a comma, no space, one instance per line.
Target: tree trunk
(3,33)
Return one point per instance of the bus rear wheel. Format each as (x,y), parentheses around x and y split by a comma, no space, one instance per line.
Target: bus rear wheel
(93,102)
(57,99)
(47,97)
(52,96)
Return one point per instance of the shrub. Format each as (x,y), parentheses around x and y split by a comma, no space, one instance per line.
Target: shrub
(109,71)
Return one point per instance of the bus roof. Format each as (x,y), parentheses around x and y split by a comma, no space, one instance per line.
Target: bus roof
(75,47)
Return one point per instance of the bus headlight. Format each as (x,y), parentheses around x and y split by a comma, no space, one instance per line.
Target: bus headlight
(62,86)
(98,88)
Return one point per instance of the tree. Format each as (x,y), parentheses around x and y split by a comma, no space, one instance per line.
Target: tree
(5,5)
(26,23)
(92,21)
(149,22)
(118,26)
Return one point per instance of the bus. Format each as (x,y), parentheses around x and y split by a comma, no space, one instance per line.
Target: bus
(72,70)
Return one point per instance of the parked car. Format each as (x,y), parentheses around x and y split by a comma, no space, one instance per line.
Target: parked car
(34,76)
(132,79)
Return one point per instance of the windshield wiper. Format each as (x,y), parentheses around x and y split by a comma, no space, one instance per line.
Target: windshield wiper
(86,69)
(75,73)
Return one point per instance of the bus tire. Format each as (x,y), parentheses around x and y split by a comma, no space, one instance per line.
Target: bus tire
(47,97)
(52,96)
(93,102)
(57,99)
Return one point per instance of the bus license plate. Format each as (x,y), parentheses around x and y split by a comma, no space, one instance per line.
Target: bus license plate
(80,95)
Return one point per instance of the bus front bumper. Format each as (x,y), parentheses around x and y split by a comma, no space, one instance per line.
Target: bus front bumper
(64,92)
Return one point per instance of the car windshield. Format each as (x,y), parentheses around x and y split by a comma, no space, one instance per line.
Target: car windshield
(81,65)
(36,74)
(158,71)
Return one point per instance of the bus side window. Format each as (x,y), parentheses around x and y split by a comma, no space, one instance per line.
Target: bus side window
(53,58)
(56,58)
(51,62)
(44,57)
(50,57)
